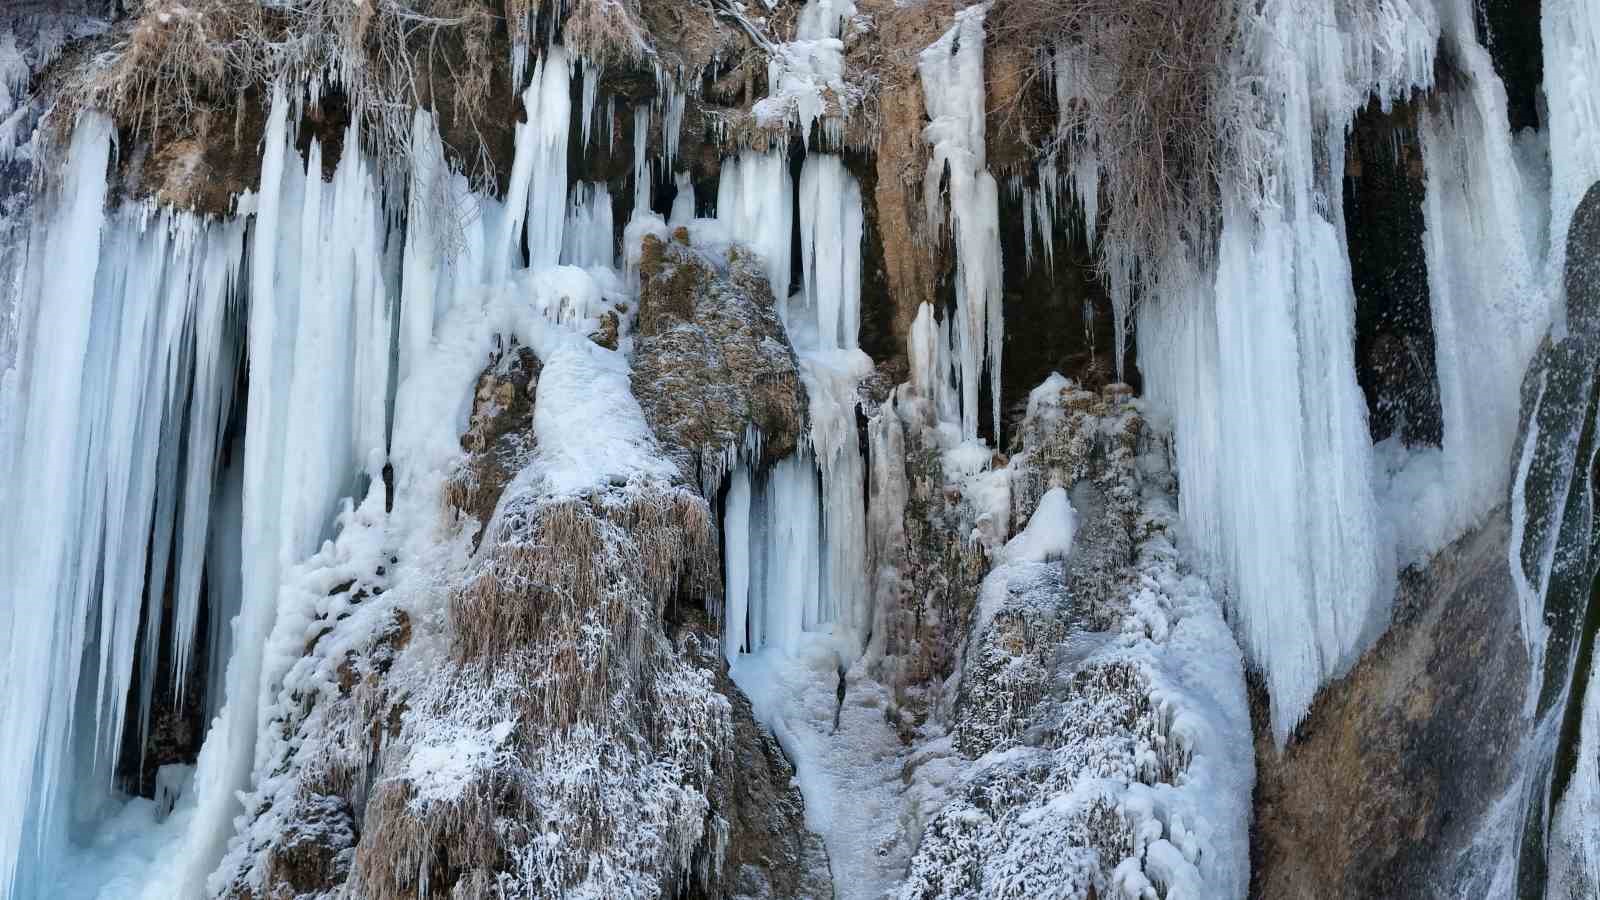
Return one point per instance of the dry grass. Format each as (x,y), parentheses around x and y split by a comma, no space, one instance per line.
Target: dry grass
(606,31)
(1145,89)
(616,737)
(181,58)
(559,566)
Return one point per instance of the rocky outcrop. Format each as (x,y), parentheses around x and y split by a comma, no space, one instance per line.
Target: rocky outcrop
(499,438)
(1089,769)
(712,364)
(1392,772)
(769,852)
(901,155)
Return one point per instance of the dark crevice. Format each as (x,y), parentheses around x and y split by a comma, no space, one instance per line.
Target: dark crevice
(1511,31)
(1394,350)
(1058,315)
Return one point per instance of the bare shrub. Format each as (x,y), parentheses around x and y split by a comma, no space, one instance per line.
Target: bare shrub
(388,57)
(1145,90)
(606,31)
(176,58)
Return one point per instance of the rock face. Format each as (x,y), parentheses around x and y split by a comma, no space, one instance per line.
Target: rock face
(1405,764)
(498,438)
(435,758)
(418,743)
(1396,765)
(712,363)
(769,851)
(1081,776)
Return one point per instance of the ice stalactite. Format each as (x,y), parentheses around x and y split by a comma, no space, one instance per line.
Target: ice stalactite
(931,362)
(42,637)
(805,517)
(795,558)
(543,140)
(225,571)
(1273,447)
(672,104)
(445,245)
(953,89)
(1571,40)
(641,161)
(755,203)
(682,201)
(1069,178)
(113,415)
(317,417)
(589,239)
(1490,309)
(736,562)
(592,73)
(217,358)
(831,226)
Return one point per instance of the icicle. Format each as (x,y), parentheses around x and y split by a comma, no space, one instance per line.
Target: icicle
(787,601)
(831,226)
(672,102)
(225,577)
(1489,306)
(736,562)
(537,195)
(641,160)
(755,202)
(319,333)
(46,455)
(953,88)
(1570,36)
(1274,454)
(425,244)
(549,119)
(683,202)
(211,403)
(589,236)
(611,125)
(591,93)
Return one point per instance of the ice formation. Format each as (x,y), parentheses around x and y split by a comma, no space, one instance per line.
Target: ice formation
(755,200)
(358,310)
(1490,309)
(589,238)
(799,527)
(953,88)
(830,236)
(806,76)
(1254,360)
(1570,32)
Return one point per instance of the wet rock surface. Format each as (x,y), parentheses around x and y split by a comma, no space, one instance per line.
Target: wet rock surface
(1391,773)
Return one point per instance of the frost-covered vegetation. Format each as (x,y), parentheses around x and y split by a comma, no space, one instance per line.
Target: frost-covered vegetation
(489,448)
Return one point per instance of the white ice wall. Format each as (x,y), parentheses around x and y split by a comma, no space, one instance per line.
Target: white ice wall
(127,331)
(1254,360)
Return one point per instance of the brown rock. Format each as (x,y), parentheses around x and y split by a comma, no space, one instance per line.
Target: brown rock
(712,360)
(499,436)
(769,852)
(1397,763)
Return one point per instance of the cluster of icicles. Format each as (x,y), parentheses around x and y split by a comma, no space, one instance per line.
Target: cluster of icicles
(193,399)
